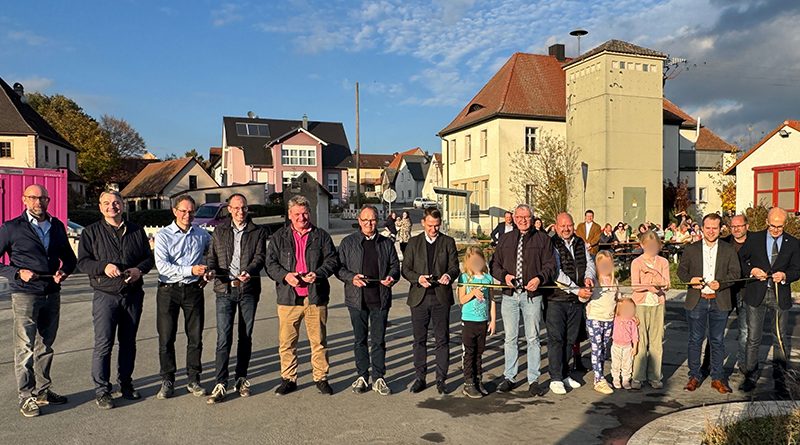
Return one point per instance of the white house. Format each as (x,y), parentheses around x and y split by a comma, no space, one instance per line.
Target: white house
(768,173)
(410,178)
(434,177)
(153,187)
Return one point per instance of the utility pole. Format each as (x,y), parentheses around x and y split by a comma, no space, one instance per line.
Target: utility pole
(358,154)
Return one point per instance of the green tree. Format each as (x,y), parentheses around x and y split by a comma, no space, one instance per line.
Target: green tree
(126,140)
(200,159)
(96,153)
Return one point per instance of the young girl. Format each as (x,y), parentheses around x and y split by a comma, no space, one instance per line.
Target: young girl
(650,281)
(600,316)
(625,344)
(477,318)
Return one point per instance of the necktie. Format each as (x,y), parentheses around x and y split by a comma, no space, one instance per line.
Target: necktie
(519,255)
(774,254)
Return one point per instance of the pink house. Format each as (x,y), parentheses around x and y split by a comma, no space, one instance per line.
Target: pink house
(275,151)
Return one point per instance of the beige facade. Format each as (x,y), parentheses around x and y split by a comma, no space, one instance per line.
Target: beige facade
(615,118)
(23,151)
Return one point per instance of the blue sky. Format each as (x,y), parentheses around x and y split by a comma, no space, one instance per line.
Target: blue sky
(173,69)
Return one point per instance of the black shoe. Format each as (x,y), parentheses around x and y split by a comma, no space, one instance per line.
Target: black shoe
(748,385)
(470,390)
(285,387)
(324,388)
(104,401)
(537,390)
(167,390)
(128,393)
(48,397)
(29,407)
(505,386)
(441,388)
(418,386)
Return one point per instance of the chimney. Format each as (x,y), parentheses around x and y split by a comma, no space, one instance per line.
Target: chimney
(305,122)
(18,88)
(557,51)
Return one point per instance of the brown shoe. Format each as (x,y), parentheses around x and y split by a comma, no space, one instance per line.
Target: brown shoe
(692,385)
(721,386)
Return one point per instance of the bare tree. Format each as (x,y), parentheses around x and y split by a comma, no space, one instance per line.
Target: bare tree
(543,176)
(125,139)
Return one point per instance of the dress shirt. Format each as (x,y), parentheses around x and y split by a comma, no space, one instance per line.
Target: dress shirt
(42,229)
(236,257)
(177,251)
(709,264)
(770,241)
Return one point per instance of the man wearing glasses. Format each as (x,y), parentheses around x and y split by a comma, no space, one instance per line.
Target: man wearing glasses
(235,260)
(179,251)
(39,259)
(369,267)
(772,258)
(115,254)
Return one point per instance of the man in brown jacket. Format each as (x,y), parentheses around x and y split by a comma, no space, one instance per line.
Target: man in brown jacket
(589,231)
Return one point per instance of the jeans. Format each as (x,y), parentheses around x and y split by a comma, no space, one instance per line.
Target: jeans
(755,329)
(169,302)
(531,309)
(563,323)
(316,320)
(431,312)
(227,305)
(473,336)
(706,315)
(741,315)
(114,316)
(35,326)
(369,342)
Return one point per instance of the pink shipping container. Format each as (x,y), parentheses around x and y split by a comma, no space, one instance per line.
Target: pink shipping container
(12,185)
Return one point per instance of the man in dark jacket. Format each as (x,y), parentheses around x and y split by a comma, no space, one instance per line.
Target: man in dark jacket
(115,254)
(523,261)
(711,266)
(506,226)
(772,258)
(235,259)
(300,259)
(430,264)
(369,267)
(39,259)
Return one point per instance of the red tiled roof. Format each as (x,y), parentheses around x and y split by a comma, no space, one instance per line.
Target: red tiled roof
(795,124)
(677,114)
(398,157)
(710,141)
(620,47)
(154,177)
(367,160)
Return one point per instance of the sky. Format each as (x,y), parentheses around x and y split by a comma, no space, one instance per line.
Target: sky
(174,68)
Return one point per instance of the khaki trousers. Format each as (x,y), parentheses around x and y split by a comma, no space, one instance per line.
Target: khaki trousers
(621,363)
(647,362)
(289,318)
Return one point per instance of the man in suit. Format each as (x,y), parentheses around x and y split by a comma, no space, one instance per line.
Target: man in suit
(504,227)
(710,266)
(589,231)
(430,264)
(772,258)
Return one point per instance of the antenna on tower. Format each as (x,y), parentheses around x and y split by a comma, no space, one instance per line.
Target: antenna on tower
(579,33)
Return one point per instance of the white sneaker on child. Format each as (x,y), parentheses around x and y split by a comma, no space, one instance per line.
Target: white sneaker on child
(557,387)
(572,383)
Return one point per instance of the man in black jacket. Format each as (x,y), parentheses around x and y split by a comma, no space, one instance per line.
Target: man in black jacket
(430,264)
(504,227)
(235,259)
(115,254)
(772,258)
(369,269)
(39,259)
(300,259)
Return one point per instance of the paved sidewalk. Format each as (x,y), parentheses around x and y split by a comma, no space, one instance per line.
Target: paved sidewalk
(686,427)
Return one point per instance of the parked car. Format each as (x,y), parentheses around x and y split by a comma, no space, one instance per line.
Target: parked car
(74,229)
(424,203)
(211,214)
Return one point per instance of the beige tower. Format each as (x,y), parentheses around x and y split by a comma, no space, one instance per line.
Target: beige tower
(615,117)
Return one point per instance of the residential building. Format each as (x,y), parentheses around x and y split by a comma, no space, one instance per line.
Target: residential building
(318,197)
(410,178)
(769,173)
(607,103)
(434,177)
(27,140)
(275,151)
(127,169)
(372,167)
(215,163)
(158,181)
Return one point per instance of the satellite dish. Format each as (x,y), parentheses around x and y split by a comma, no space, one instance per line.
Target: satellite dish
(251,115)
(389,195)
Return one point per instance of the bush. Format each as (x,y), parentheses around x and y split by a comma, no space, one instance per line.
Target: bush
(782,428)
(84,217)
(258,210)
(757,218)
(154,217)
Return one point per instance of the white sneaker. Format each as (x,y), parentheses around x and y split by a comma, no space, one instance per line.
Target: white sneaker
(557,388)
(572,383)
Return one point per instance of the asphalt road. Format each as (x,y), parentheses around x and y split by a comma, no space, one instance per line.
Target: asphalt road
(580,417)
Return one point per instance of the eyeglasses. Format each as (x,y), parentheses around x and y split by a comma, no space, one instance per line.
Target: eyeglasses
(774,227)
(237,209)
(373,221)
(185,211)
(38,198)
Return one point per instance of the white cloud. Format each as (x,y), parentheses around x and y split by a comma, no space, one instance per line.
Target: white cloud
(35,83)
(27,37)
(227,14)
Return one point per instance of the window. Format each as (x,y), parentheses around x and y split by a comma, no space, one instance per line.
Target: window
(467,147)
(529,194)
(452,151)
(192,182)
(333,183)
(46,153)
(5,149)
(621,65)
(58,157)
(299,155)
(778,186)
(245,129)
(530,140)
(67,154)
(484,143)
(702,195)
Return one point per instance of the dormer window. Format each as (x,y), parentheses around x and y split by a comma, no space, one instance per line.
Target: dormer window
(474,107)
(246,129)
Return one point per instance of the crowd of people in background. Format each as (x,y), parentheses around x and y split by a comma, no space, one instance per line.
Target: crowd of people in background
(563,276)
